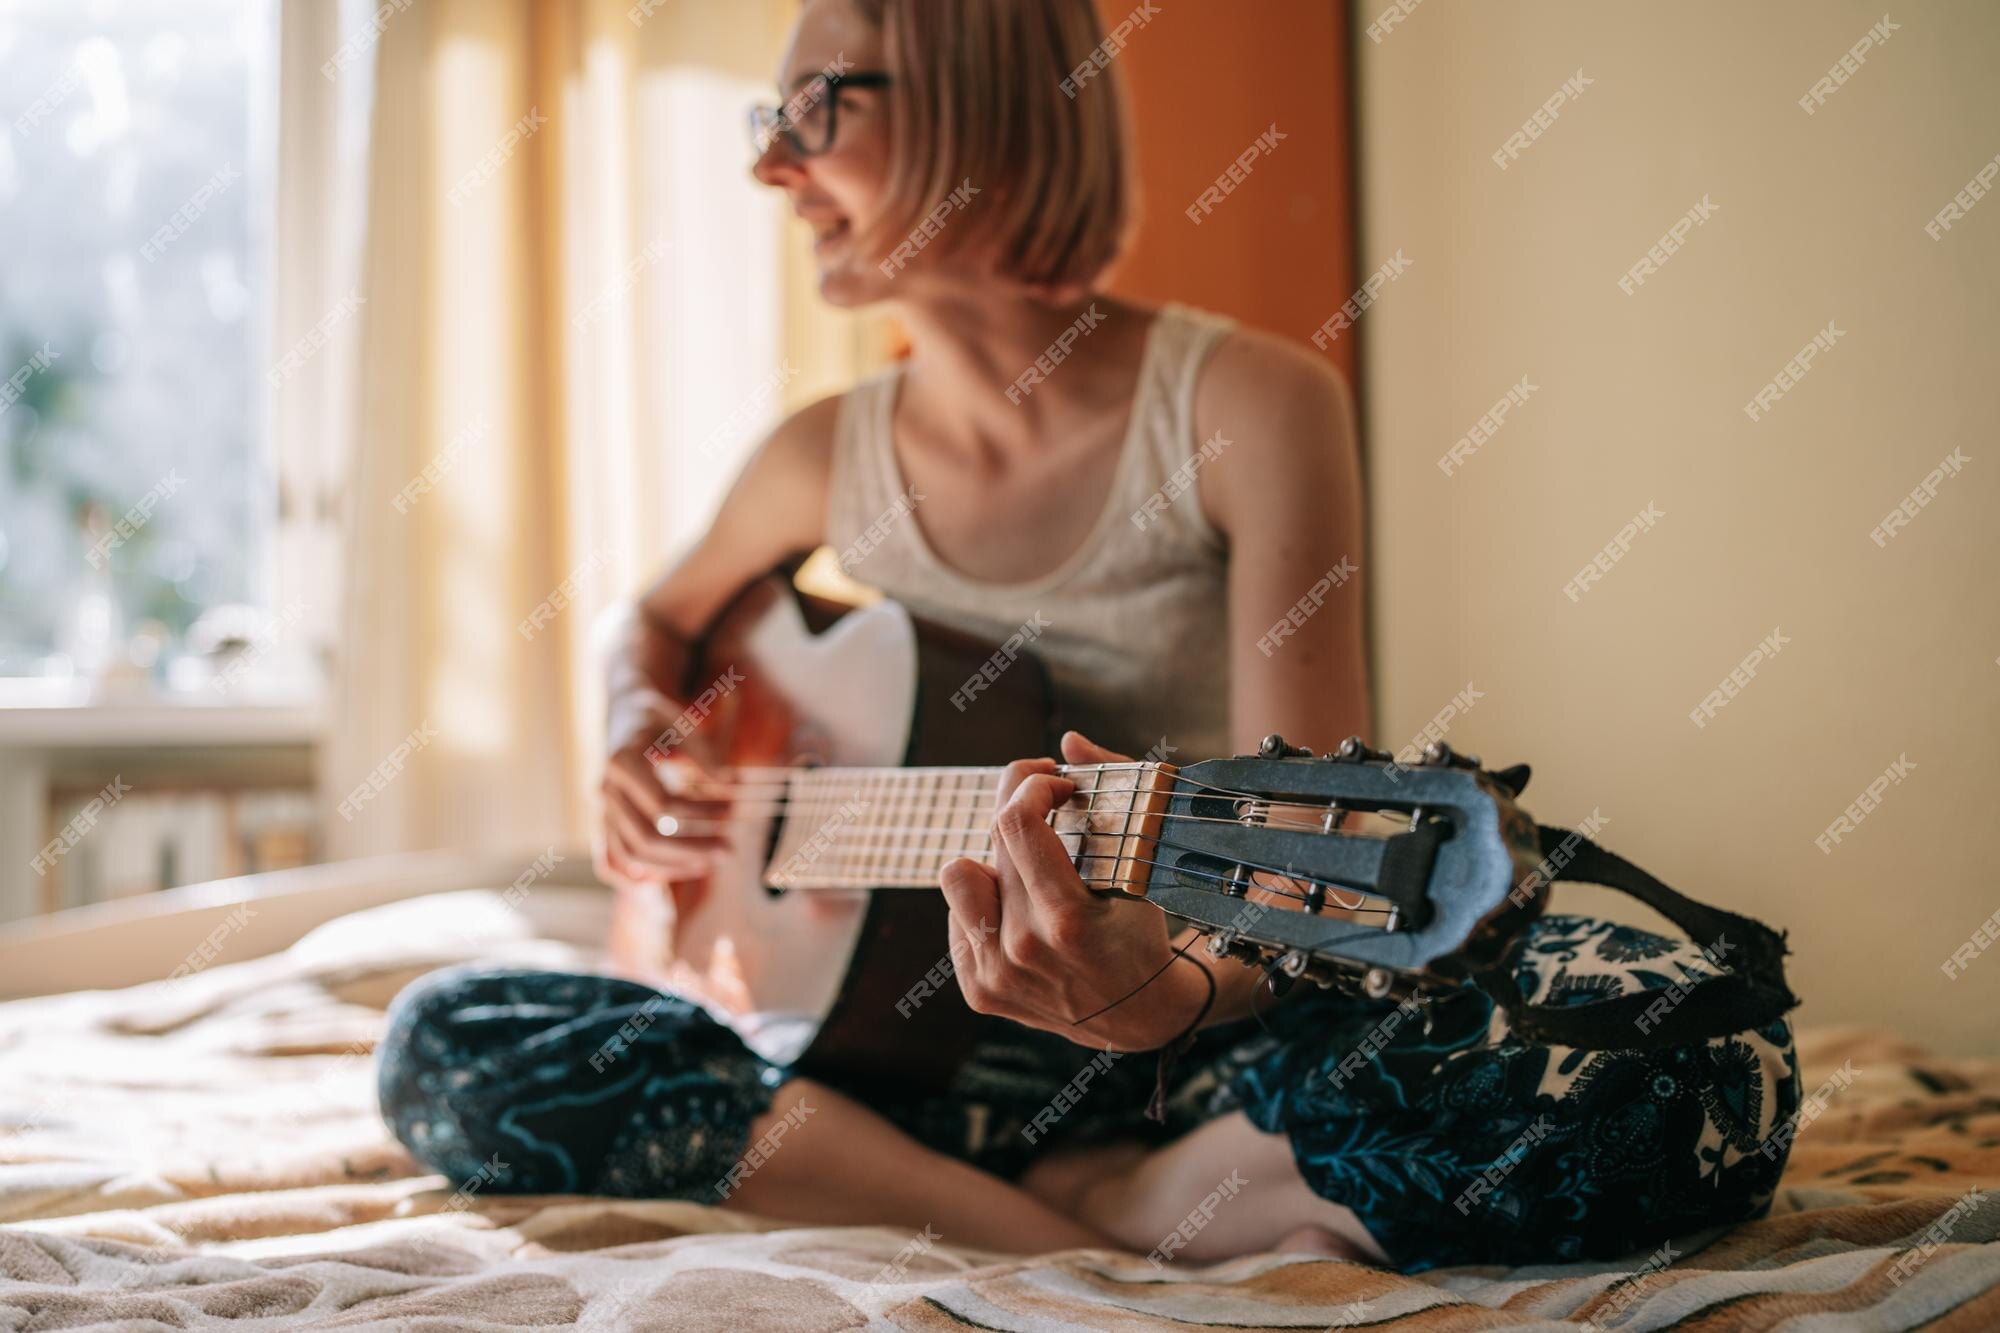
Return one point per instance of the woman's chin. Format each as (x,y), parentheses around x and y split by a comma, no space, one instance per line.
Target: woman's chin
(842,285)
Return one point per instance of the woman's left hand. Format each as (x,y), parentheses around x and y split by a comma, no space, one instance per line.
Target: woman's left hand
(1031,943)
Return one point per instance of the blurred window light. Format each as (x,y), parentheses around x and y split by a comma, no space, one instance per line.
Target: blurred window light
(137,181)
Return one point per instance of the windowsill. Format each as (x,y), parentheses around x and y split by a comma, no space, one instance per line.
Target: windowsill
(78,714)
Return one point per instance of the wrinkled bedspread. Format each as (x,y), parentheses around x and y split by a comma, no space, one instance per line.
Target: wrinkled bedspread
(205,1150)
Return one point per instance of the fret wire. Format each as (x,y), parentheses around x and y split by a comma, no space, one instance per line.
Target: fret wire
(867,814)
(948,827)
(975,807)
(1089,809)
(1125,830)
(857,792)
(891,846)
(894,849)
(935,818)
(904,788)
(963,817)
(919,819)
(907,791)
(877,791)
(945,836)
(874,847)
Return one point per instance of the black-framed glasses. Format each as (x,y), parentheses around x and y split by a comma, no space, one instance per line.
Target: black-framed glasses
(807,123)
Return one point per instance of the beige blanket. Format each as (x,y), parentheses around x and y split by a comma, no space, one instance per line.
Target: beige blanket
(205,1151)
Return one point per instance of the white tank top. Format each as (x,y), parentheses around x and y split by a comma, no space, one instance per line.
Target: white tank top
(1134,625)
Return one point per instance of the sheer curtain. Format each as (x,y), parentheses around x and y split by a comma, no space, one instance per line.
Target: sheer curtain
(579,314)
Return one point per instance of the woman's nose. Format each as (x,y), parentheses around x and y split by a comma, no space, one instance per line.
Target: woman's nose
(777,164)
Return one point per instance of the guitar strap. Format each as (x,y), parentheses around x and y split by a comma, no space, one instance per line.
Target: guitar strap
(1748,992)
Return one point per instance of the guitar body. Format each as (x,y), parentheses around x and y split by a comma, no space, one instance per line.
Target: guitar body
(814,980)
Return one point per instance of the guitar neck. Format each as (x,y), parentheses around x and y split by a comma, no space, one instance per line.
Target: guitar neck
(892,828)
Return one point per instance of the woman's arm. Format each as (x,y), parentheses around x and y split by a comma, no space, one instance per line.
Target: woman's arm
(775,508)
(1286,496)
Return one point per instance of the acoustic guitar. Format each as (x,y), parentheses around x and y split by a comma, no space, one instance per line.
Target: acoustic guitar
(820,937)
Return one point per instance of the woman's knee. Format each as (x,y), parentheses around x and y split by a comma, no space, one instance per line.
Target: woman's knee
(451,1065)
(443,1020)
(519,1082)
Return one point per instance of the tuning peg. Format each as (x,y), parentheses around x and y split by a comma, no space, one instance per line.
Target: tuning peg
(1439,754)
(1354,750)
(1273,746)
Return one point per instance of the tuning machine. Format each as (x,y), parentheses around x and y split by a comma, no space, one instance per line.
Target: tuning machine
(1354,750)
(1439,754)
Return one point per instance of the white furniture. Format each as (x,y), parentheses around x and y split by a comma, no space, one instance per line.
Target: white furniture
(52,729)
(227,921)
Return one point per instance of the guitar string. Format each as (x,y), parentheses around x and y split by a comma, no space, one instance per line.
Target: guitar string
(867,843)
(825,800)
(772,808)
(849,844)
(788,783)
(867,878)
(914,837)
(1112,884)
(844,828)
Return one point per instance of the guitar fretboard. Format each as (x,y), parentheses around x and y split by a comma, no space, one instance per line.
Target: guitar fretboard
(890,828)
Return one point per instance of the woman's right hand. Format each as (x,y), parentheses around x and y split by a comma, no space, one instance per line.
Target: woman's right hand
(662,817)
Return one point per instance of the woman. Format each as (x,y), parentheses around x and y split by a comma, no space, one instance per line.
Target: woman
(1161,494)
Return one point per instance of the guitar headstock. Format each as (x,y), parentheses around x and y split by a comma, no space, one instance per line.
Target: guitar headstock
(1347,868)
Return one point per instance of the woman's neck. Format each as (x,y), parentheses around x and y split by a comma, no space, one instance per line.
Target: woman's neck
(1008,372)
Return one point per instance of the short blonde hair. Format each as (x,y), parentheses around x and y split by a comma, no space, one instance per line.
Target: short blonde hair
(983,92)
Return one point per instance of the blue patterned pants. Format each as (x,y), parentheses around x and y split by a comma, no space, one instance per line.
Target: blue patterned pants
(1454,1142)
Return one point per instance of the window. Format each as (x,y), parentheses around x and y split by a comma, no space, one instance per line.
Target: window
(171,405)
(137,488)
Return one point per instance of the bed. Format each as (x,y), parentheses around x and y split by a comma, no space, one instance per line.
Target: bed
(204,1151)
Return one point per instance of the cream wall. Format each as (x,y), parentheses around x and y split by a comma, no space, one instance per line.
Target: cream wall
(1891,651)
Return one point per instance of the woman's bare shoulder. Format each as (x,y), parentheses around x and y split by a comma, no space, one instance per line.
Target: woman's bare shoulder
(805,437)
(1257,376)
(1286,413)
